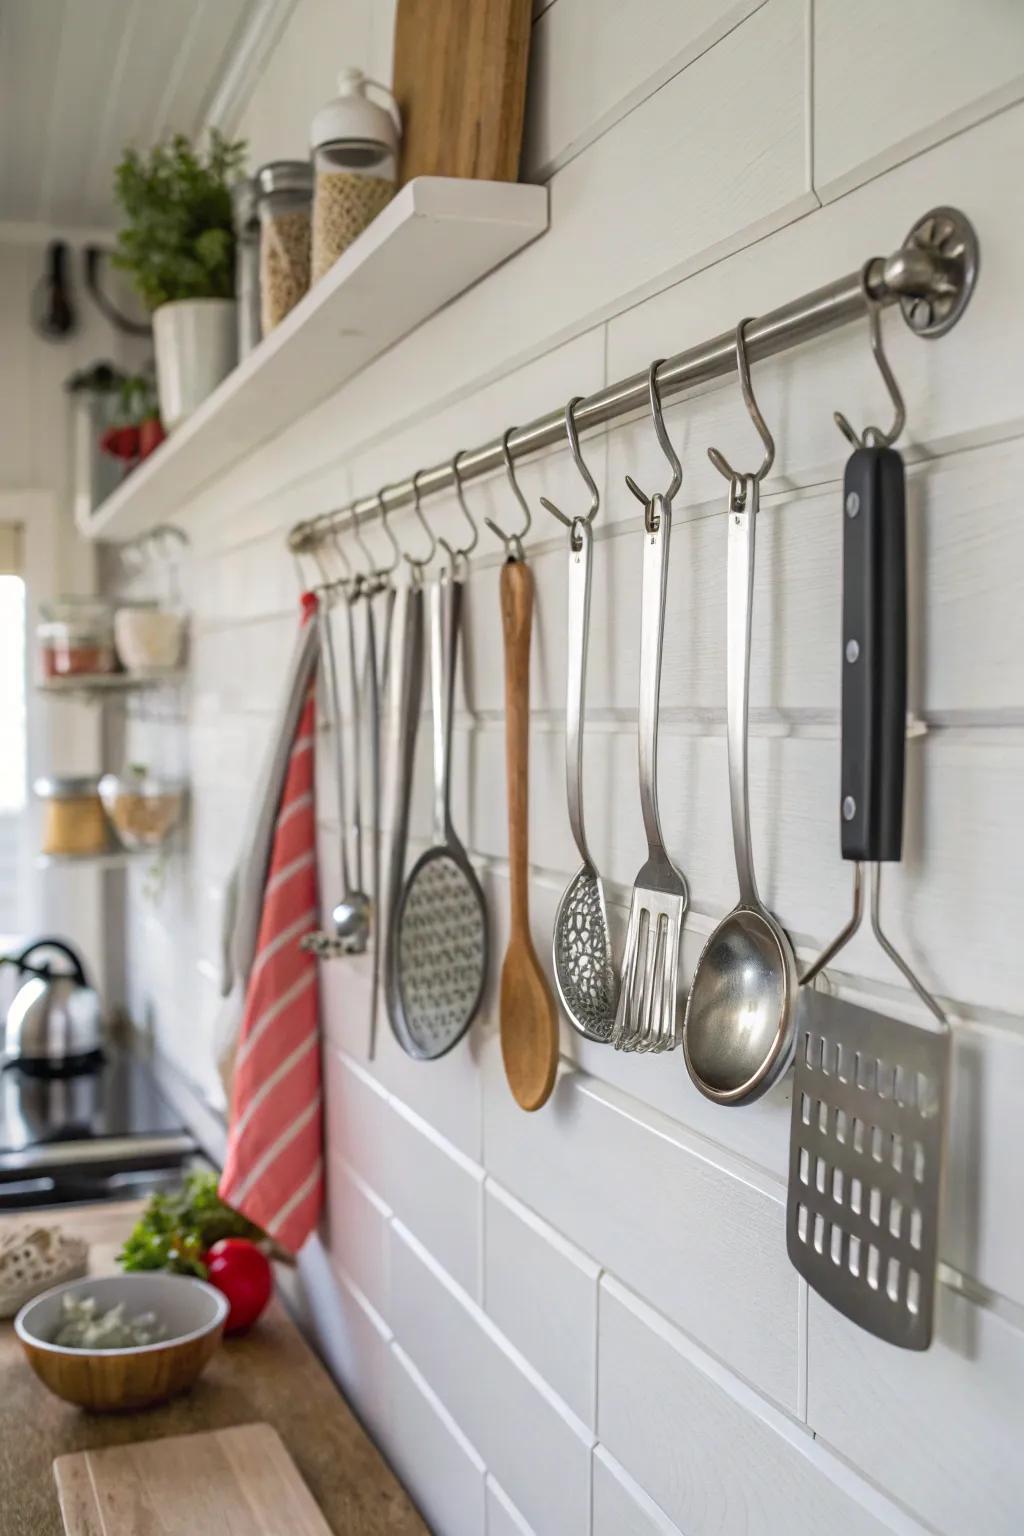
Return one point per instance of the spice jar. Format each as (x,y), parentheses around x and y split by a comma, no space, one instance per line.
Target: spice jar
(74,822)
(245,205)
(355,154)
(285,201)
(76,639)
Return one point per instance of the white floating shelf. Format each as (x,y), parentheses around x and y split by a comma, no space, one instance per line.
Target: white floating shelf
(436,238)
(115,858)
(101,685)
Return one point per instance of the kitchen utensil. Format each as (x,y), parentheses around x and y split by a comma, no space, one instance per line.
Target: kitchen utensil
(646,1015)
(55,1017)
(739,1029)
(407,693)
(442,916)
(460,82)
(191,1312)
(352,914)
(528,1017)
(581,944)
(529,1022)
(867,1140)
(212,1481)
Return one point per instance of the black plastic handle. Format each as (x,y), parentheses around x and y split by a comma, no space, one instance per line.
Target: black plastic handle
(874,655)
(21,961)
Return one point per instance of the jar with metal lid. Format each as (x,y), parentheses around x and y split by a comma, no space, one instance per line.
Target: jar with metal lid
(355,154)
(76,639)
(245,204)
(285,203)
(74,822)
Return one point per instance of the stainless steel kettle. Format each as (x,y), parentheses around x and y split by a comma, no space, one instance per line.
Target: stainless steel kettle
(55,1016)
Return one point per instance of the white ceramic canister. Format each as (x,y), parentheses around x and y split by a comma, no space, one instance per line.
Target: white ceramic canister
(196,344)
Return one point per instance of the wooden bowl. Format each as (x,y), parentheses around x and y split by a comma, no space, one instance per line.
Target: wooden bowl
(191,1311)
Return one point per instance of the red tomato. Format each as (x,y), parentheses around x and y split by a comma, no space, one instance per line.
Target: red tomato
(242,1272)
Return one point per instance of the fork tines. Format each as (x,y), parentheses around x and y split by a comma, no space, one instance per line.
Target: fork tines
(645,1019)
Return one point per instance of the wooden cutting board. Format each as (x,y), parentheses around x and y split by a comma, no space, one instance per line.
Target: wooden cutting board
(460,82)
(225,1482)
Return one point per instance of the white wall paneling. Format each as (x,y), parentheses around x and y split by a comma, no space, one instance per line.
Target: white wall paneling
(584,1320)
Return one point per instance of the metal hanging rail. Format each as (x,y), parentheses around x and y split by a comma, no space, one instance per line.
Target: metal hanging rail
(931,276)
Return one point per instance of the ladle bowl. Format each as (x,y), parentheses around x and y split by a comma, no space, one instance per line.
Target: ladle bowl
(351,920)
(739,1030)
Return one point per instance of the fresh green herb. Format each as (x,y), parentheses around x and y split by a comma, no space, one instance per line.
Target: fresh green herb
(179,240)
(175,1231)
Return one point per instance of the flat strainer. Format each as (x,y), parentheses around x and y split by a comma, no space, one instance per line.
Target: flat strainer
(441,924)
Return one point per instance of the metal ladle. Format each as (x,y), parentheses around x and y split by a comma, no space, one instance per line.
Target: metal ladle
(739,1029)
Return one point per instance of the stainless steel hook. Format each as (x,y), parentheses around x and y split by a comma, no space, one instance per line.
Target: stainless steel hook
(419,566)
(465,550)
(513,542)
(874,437)
(396,548)
(652,515)
(718,458)
(575,523)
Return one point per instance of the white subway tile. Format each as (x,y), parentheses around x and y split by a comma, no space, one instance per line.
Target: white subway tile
(503,1519)
(621,1508)
(437,1463)
(352,1339)
(541,1291)
(940,1431)
(704,1245)
(533,1445)
(715,1456)
(438,1193)
(355,1231)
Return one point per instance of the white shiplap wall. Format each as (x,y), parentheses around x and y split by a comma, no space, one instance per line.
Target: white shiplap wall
(585,1320)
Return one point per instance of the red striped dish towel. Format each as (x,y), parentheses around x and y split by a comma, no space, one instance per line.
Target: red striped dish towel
(273,1172)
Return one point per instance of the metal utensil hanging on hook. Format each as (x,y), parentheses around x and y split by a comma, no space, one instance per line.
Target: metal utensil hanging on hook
(739,1027)
(581,946)
(646,1014)
(867,1132)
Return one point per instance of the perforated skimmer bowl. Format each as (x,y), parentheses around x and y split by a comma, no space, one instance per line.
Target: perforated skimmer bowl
(441,923)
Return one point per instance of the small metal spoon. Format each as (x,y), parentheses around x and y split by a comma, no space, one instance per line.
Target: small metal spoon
(739,1030)
(351,917)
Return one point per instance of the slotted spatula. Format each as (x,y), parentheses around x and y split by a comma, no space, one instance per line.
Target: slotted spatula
(867,1136)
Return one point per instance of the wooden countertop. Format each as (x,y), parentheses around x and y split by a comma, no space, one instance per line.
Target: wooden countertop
(270,1375)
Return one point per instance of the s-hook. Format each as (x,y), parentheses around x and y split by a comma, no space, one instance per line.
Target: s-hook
(576,524)
(513,542)
(418,567)
(463,551)
(661,500)
(874,437)
(737,481)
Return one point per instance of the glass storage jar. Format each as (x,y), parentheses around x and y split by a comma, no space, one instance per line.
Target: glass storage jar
(285,202)
(74,822)
(76,639)
(143,807)
(245,203)
(355,154)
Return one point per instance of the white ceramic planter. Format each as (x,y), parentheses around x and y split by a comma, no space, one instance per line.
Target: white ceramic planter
(196,345)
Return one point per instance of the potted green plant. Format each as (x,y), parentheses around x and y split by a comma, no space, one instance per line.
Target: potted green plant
(178,245)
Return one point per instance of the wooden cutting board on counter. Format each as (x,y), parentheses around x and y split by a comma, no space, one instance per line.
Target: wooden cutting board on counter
(224,1482)
(460,83)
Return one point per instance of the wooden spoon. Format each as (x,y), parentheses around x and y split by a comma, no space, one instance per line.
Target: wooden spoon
(529,1018)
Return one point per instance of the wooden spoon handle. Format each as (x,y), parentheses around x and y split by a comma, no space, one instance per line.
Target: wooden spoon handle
(516,620)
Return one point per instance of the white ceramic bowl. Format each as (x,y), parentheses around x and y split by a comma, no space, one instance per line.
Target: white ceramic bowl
(193,1315)
(149,639)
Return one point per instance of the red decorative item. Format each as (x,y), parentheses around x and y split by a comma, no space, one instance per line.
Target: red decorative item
(121,442)
(242,1272)
(151,435)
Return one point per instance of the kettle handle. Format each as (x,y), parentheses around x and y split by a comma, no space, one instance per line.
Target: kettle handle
(21,960)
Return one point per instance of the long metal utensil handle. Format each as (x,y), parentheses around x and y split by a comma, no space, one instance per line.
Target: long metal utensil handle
(874,656)
(741,540)
(438,605)
(410,685)
(517,618)
(581,547)
(329,663)
(357,744)
(371,692)
(657,535)
(452,631)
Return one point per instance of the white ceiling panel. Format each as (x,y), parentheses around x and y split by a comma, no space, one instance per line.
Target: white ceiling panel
(80,79)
